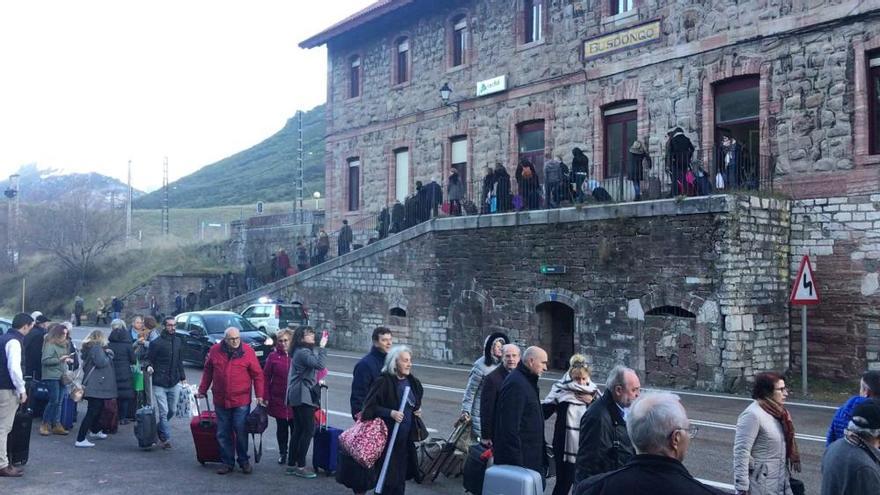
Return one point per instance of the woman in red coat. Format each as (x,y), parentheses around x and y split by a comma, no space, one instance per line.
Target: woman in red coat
(275,374)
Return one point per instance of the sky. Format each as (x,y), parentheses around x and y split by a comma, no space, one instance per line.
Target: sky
(88,85)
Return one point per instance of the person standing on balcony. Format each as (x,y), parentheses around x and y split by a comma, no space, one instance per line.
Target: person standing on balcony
(455,190)
(529,185)
(434,194)
(553,177)
(580,170)
(731,154)
(345,238)
(488,193)
(637,160)
(502,188)
(679,152)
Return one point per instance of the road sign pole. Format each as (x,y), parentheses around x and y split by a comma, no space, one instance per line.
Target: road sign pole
(804,387)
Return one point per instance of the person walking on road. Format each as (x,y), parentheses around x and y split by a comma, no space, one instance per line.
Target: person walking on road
(604,443)
(55,360)
(661,433)
(123,359)
(518,438)
(79,307)
(368,369)
(304,396)
(345,239)
(491,387)
(232,371)
(116,305)
(869,387)
(383,401)
(12,386)
(165,363)
(100,385)
(491,358)
(764,448)
(568,400)
(851,465)
(275,376)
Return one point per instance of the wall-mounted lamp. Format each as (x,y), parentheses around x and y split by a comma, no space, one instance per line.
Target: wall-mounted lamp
(445,93)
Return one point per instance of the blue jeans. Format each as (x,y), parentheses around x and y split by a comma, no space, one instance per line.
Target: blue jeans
(231,421)
(166,405)
(52,413)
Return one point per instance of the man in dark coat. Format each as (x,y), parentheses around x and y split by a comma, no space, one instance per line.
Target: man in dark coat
(368,369)
(604,443)
(33,347)
(661,433)
(345,238)
(519,420)
(491,386)
(434,193)
(165,364)
(679,151)
(191,300)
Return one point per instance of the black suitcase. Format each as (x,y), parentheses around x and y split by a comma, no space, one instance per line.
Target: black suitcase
(18,442)
(145,428)
(475,469)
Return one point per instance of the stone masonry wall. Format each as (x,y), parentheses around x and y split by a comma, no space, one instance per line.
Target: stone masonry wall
(458,279)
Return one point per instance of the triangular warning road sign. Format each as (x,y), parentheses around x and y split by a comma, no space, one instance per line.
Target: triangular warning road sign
(805,289)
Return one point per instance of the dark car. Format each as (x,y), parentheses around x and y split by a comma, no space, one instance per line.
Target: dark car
(5,325)
(202,329)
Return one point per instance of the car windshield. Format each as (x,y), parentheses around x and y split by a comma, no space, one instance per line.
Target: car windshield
(219,323)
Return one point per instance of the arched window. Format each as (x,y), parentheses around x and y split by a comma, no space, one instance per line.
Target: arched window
(670,311)
(399,312)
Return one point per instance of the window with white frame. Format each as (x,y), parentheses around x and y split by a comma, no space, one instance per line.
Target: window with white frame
(458,155)
(402,62)
(354,77)
(621,6)
(533,27)
(459,40)
(401,174)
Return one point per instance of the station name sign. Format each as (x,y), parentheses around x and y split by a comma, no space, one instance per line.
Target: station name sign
(620,40)
(494,85)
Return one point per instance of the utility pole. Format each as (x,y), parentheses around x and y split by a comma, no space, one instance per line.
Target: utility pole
(298,173)
(128,210)
(13,192)
(165,219)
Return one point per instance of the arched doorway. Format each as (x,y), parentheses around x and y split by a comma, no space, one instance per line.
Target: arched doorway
(670,337)
(556,332)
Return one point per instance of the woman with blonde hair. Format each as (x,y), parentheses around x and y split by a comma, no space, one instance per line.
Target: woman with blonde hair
(55,361)
(568,399)
(275,377)
(99,381)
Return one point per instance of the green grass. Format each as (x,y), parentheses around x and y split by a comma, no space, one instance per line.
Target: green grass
(185,222)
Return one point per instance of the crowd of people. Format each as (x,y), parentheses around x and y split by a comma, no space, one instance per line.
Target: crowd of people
(611,442)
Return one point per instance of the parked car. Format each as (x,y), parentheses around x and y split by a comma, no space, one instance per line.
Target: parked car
(269,316)
(5,325)
(202,329)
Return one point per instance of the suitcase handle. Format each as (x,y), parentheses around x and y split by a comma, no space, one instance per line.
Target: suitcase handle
(207,404)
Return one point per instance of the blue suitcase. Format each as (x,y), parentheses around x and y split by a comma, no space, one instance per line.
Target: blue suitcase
(325,448)
(68,411)
(512,480)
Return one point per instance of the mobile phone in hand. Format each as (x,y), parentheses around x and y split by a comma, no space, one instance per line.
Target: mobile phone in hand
(325,334)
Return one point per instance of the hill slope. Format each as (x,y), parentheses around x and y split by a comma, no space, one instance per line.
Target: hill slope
(264,172)
(46,185)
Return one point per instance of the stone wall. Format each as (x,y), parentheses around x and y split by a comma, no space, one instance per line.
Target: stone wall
(721,258)
(257,238)
(162,287)
(842,237)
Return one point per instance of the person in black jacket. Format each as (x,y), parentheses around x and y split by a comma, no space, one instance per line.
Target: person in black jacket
(580,170)
(434,193)
(502,188)
(383,401)
(518,436)
(368,369)
(165,364)
(661,432)
(33,347)
(679,151)
(491,387)
(604,443)
(123,357)
(488,192)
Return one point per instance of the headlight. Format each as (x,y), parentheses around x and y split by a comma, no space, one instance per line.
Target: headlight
(268,341)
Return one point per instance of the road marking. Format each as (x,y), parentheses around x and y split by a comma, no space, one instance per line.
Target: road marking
(347,415)
(724,426)
(677,392)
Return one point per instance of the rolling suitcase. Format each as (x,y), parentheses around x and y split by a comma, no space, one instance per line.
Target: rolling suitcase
(204,432)
(475,468)
(18,442)
(512,480)
(325,448)
(68,411)
(109,419)
(438,455)
(145,428)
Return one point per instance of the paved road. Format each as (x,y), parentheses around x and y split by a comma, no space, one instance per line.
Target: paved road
(56,464)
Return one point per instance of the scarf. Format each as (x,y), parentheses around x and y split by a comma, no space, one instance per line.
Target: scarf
(566,390)
(783,416)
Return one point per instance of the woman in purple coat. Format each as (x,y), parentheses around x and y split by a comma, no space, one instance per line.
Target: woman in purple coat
(275,372)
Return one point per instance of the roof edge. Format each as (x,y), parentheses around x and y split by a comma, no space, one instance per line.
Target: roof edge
(370,13)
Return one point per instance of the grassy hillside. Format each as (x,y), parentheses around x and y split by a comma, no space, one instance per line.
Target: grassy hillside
(185,222)
(264,172)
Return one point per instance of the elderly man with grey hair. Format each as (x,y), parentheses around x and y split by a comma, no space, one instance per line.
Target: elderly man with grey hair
(851,465)
(604,442)
(519,419)
(661,433)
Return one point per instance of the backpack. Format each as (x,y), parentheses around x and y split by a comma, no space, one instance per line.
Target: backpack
(553,172)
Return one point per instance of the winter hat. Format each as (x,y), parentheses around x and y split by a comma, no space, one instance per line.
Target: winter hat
(35,314)
(41,319)
(872,380)
(867,415)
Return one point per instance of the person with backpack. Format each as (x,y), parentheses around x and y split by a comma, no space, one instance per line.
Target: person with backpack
(529,185)
(303,396)
(275,377)
(55,360)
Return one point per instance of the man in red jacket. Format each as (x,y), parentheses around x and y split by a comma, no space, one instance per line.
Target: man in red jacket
(233,369)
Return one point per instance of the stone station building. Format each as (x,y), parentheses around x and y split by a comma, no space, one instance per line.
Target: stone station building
(797,82)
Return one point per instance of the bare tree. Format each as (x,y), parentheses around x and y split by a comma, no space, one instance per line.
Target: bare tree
(76,231)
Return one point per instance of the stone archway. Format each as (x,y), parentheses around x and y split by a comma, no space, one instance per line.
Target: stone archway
(557,318)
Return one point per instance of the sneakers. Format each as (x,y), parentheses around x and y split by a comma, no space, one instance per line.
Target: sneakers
(282,458)
(59,430)
(226,469)
(11,471)
(84,444)
(302,472)
(100,435)
(44,429)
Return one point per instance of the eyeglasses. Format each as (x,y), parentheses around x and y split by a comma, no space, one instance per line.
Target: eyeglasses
(233,339)
(691,431)
(781,389)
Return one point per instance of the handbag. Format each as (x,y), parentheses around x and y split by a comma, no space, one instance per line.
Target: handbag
(365,441)
(420,431)
(66,378)
(256,423)
(78,388)
(797,486)
(41,391)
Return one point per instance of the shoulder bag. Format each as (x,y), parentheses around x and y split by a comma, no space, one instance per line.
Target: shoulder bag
(365,441)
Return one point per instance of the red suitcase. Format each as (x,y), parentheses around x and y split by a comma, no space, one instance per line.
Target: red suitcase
(204,432)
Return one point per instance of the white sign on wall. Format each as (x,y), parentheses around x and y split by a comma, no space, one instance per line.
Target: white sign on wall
(494,85)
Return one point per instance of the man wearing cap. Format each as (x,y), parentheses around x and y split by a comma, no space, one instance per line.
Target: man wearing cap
(851,465)
(869,389)
(12,390)
(33,346)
